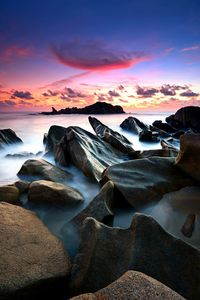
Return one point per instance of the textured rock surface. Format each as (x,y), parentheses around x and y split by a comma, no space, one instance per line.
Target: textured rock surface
(8,137)
(33,262)
(10,194)
(53,137)
(106,253)
(41,169)
(133,285)
(48,192)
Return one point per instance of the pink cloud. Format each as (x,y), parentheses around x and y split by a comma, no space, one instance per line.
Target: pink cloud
(15,51)
(193,48)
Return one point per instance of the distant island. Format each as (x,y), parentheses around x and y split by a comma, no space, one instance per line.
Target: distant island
(96,108)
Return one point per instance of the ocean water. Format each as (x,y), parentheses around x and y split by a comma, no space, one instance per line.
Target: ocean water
(31,129)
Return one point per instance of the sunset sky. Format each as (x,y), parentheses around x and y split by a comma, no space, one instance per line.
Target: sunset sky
(141,54)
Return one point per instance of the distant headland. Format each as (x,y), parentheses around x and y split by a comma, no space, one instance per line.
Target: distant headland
(96,108)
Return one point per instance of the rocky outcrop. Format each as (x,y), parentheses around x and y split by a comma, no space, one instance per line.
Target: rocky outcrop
(87,152)
(146,180)
(164,126)
(41,169)
(96,108)
(8,137)
(33,262)
(115,139)
(133,285)
(188,159)
(48,192)
(106,253)
(10,194)
(53,137)
(23,154)
(100,208)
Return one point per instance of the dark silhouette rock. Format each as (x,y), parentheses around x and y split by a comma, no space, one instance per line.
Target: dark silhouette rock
(23,154)
(8,137)
(164,126)
(188,226)
(134,125)
(53,137)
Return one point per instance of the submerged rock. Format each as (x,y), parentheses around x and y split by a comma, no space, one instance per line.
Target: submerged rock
(146,180)
(87,152)
(48,192)
(41,169)
(10,194)
(133,285)
(33,262)
(106,253)
(8,137)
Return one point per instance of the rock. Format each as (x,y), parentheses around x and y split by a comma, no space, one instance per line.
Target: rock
(10,194)
(171,143)
(188,117)
(166,145)
(188,157)
(22,186)
(188,226)
(115,139)
(106,253)
(53,137)
(40,169)
(23,154)
(48,192)
(33,262)
(8,137)
(87,152)
(133,285)
(164,126)
(134,125)
(165,152)
(100,207)
(148,136)
(146,180)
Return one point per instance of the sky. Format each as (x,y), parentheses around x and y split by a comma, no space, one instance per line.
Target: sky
(141,54)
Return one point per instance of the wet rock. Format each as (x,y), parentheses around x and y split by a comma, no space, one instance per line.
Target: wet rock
(87,152)
(164,126)
(115,139)
(53,137)
(100,207)
(40,169)
(146,180)
(8,137)
(188,226)
(133,285)
(165,152)
(22,186)
(134,125)
(148,136)
(33,262)
(9,194)
(48,192)
(106,253)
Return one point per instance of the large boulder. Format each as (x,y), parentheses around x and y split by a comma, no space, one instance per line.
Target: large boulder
(133,285)
(8,137)
(188,159)
(33,262)
(48,192)
(144,181)
(41,169)
(87,152)
(10,194)
(134,125)
(164,126)
(115,139)
(100,208)
(106,253)
(53,137)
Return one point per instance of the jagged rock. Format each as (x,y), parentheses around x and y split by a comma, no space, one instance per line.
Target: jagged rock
(8,137)
(87,152)
(146,180)
(10,194)
(33,262)
(53,137)
(100,207)
(48,192)
(133,285)
(41,169)
(106,253)
(134,125)
(115,139)
(188,157)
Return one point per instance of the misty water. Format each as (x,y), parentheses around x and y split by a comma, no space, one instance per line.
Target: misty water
(31,129)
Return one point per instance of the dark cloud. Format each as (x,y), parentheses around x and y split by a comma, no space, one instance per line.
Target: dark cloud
(51,93)
(7,103)
(189,93)
(74,94)
(120,87)
(94,55)
(168,90)
(114,94)
(146,92)
(22,95)
(101,98)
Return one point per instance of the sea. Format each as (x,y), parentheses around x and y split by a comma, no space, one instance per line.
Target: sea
(31,129)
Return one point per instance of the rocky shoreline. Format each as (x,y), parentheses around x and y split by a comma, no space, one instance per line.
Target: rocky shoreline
(145,260)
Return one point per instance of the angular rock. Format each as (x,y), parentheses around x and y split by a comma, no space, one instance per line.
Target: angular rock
(10,194)
(115,139)
(188,159)
(133,285)
(164,126)
(53,137)
(134,125)
(48,192)
(8,137)
(146,180)
(87,152)
(33,262)
(100,208)
(41,169)
(106,253)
